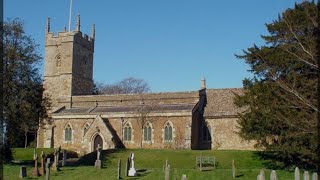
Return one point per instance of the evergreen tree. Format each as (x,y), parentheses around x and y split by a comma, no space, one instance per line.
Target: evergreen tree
(22,85)
(281,98)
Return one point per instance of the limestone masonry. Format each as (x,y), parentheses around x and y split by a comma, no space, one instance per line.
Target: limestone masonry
(204,119)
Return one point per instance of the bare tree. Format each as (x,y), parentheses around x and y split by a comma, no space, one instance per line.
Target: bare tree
(126,86)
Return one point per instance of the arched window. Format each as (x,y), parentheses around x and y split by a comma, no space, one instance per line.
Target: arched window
(206,133)
(86,128)
(127,133)
(168,132)
(147,132)
(68,133)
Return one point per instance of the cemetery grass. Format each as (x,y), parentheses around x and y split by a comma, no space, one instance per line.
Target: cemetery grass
(149,164)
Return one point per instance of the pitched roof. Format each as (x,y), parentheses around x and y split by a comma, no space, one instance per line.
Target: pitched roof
(220,102)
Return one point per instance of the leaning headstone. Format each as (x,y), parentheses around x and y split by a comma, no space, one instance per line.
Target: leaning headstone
(167,173)
(306,175)
(64,158)
(48,169)
(314,176)
(132,170)
(119,169)
(273,175)
(296,174)
(42,168)
(35,170)
(184,177)
(233,170)
(23,172)
(97,164)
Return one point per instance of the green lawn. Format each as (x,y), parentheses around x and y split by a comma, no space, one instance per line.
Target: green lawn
(150,163)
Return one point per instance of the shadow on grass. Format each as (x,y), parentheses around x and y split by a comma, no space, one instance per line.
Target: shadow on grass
(271,160)
(89,159)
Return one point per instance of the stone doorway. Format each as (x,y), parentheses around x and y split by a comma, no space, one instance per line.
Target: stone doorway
(97,140)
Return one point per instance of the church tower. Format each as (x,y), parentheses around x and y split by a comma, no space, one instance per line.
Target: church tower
(68,63)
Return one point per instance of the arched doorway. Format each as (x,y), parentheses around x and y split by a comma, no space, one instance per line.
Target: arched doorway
(97,140)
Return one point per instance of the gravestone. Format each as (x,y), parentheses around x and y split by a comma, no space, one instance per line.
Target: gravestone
(42,168)
(97,164)
(55,165)
(306,175)
(262,174)
(314,176)
(35,170)
(64,158)
(127,166)
(184,177)
(296,174)
(132,170)
(233,170)
(167,173)
(48,169)
(119,169)
(273,175)
(23,172)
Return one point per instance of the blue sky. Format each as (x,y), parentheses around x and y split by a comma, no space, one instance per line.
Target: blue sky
(172,44)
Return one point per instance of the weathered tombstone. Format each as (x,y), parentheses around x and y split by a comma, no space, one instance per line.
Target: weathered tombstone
(132,170)
(314,176)
(167,173)
(64,158)
(119,169)
(233,170)
(55,165)
(23,172)
(48,169)
(273,175)
(184,177)
(127,166)
(35,170)
(262,174)
(259,177)
(306,175)
(97,164)
(42,168)
(296,174)
(175,175)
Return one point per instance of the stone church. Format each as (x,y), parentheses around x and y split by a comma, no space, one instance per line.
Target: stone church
(203,119)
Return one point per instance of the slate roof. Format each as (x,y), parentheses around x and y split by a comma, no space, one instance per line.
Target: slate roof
(220,102)
(127,109)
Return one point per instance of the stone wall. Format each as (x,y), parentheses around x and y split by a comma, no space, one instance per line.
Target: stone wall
(111,130)
(224,135)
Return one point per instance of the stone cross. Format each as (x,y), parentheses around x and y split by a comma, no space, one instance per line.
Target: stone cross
(97,164)
(132,170)
(296,174)
(23,172)
(273,175)
(35,171)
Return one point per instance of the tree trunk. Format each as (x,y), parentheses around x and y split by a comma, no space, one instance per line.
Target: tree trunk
(25,139)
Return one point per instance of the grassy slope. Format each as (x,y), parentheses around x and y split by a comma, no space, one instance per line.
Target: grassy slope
(151,163)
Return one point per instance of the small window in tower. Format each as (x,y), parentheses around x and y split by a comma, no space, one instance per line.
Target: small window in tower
(58,59)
